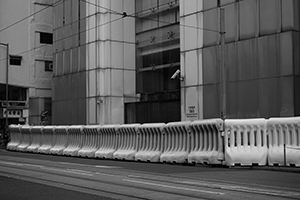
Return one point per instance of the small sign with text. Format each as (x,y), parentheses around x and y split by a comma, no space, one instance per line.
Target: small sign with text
(192,112)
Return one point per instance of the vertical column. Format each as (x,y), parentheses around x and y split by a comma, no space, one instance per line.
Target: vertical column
(91,59)
(191,42)
(115,57)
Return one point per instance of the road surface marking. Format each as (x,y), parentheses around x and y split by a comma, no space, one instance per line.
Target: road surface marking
(78,164)
(72,171)
(85,165)
(48,168)
(134,176)
(31,165)
(21,164)
(80,171)
(242,188)
(107,167)
(173,187)
(10,163)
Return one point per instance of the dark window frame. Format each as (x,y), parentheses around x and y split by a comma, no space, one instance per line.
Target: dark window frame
(46,38)
(48,66)
(15,60)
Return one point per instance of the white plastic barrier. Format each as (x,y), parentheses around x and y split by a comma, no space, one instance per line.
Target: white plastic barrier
(128,143)
(176,142)
(15,137)
(150,142)
(246,142)
(36,136)
(206,142)
(26,138)
(107,142)
(90,141)
(47,140)
(74,140)
(284,131)
(60,140)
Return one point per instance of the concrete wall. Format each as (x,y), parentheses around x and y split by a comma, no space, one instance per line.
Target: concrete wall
(18,38)
(40,80)
(23,39)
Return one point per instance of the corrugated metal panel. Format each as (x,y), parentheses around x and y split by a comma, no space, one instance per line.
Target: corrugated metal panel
(248,99)
(248,19)
(269,16)
(269,102)
(211,101)
(268,61)
(247,59)
(211,69)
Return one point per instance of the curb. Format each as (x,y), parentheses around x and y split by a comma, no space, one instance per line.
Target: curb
(280,169)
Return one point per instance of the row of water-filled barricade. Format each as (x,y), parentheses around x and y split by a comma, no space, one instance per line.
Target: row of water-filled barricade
(244,142)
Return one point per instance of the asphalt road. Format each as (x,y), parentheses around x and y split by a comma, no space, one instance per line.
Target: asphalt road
(35,176)
(15,189)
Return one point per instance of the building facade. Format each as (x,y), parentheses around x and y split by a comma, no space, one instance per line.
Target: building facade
(262,57)
(26,26)
(94,61)
(157,59)
(114,60)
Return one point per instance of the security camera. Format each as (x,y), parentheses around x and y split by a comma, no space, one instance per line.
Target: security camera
(176,74)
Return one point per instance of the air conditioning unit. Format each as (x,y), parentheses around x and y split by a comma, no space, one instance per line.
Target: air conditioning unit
(51,66)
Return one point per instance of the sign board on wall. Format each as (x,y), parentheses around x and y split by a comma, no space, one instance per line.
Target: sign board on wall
(11,113)
(192,112)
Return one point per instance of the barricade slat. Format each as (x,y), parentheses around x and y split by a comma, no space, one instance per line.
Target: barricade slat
(176,142)
(60,140)
(36,136)
(246,142)
(207,142)
(47,140)
(128,144)
(107,141)
(150,142)
(15,137)
(90,141)
(284,132)
(26,138)
(74,140)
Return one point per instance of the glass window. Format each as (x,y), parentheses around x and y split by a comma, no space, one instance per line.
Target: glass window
(15,60)
(46,38)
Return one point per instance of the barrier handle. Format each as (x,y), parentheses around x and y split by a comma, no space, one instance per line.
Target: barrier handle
(284,154)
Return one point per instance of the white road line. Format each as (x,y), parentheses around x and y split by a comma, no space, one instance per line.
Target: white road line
(107,167)
(73,171)
(98,166)
(81,171)
(242,188)
(173,187)
(262,191)
(11,163)
(31,165)
(134,176)
(77,164)
(21,164)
